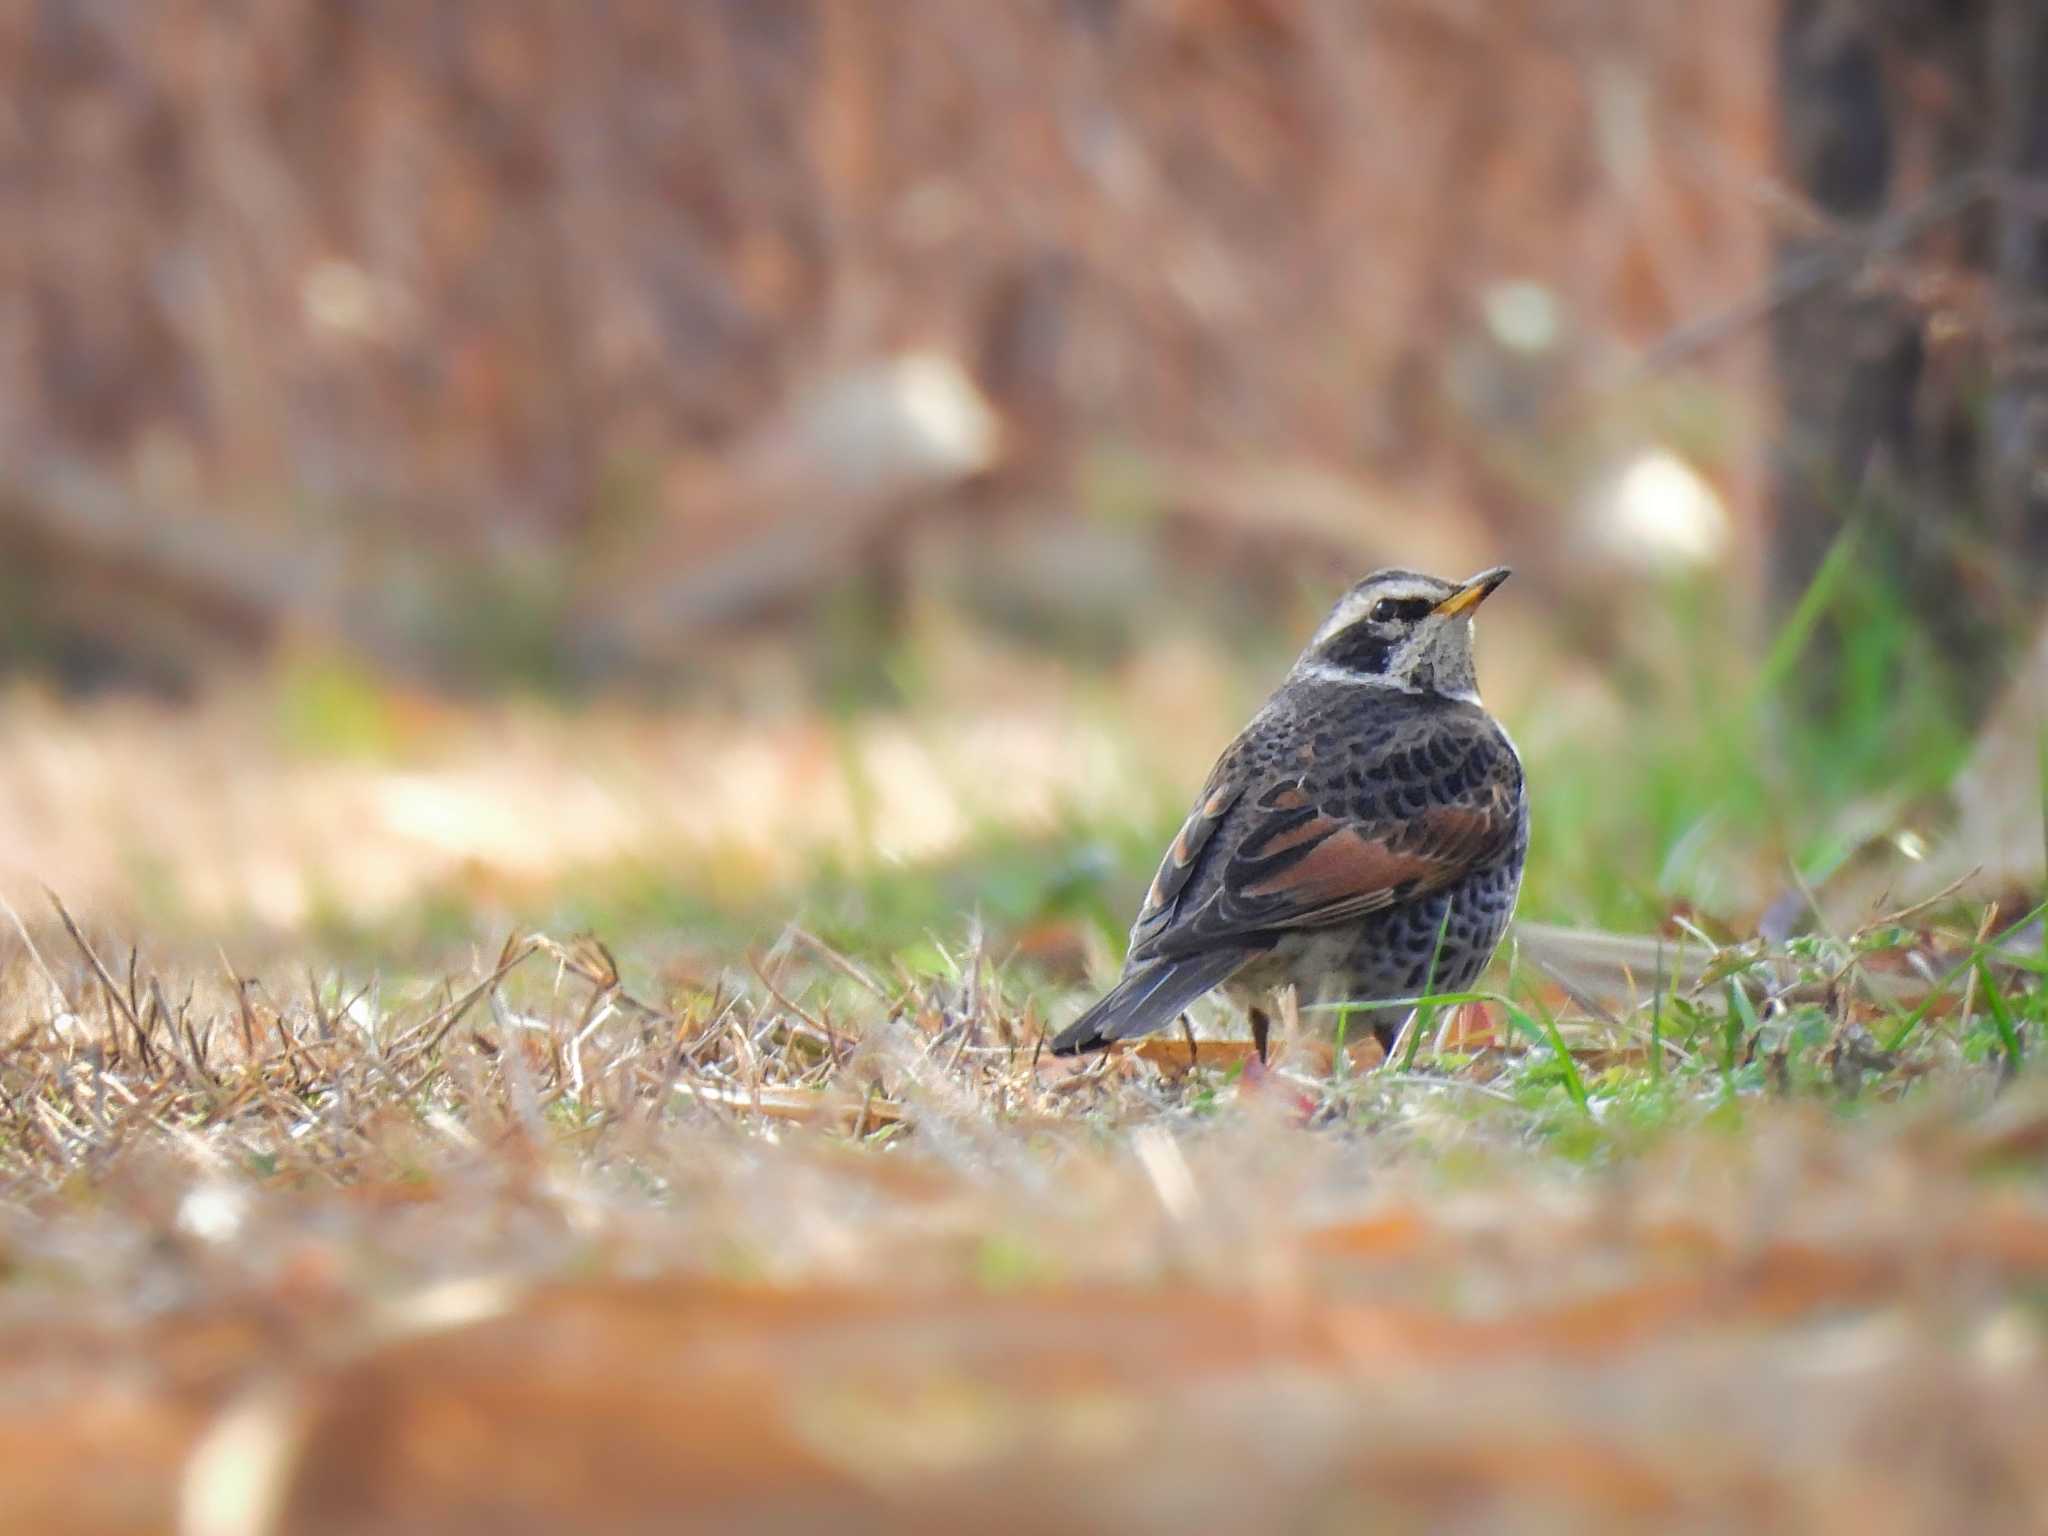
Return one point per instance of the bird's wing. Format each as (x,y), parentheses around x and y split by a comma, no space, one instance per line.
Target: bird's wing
(1187,852)
(1298,846)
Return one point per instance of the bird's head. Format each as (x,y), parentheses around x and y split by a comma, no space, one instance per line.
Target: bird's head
(1402,630)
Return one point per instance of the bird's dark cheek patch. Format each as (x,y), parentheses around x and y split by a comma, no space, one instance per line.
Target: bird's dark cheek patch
(1360,650)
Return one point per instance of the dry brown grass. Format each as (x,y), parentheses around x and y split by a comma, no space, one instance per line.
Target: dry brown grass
(525,1250)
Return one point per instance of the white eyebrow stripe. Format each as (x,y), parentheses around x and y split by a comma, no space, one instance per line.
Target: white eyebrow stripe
(1346,613)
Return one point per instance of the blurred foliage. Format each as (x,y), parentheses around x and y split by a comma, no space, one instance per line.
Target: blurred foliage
(328,706)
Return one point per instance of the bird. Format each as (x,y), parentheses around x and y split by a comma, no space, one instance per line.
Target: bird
(1362,839)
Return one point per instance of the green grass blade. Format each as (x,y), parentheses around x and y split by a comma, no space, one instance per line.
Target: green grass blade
(1948,979)
(1657,1017)
(1914,1019)
(1742,1021)
(1425,1012)
(1545,1032)
(2001,1015)
(1797,631)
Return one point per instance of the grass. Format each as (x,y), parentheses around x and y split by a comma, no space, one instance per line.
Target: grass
(510,1206)
(1942,995)
(702,1181)
(102,1046)
(1739,776)
(1706,784)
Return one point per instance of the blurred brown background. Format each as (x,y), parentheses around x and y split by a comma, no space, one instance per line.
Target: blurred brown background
(559,346)
(392,321)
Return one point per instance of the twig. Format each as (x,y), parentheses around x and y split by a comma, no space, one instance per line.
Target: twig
(115,999)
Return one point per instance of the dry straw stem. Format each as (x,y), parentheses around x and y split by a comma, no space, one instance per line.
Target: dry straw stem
(530,1249)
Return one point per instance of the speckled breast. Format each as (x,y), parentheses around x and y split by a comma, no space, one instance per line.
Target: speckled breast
(1388,954)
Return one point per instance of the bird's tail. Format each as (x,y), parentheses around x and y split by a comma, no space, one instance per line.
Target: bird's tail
(1146,999)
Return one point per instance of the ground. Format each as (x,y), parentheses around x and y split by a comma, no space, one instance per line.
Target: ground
(669,1179)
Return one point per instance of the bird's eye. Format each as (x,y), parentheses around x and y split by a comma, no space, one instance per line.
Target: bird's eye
(1410,610)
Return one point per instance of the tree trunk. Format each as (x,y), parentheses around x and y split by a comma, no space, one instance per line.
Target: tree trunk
(1918,132)
(2017,435)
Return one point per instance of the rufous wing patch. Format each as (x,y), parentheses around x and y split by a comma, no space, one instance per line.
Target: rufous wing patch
(1286,837)
(1344,869)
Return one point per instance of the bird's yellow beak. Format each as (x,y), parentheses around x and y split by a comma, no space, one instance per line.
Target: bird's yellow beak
(1473,593)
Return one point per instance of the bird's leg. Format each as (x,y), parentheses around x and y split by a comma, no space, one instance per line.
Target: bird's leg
(1261,1027)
